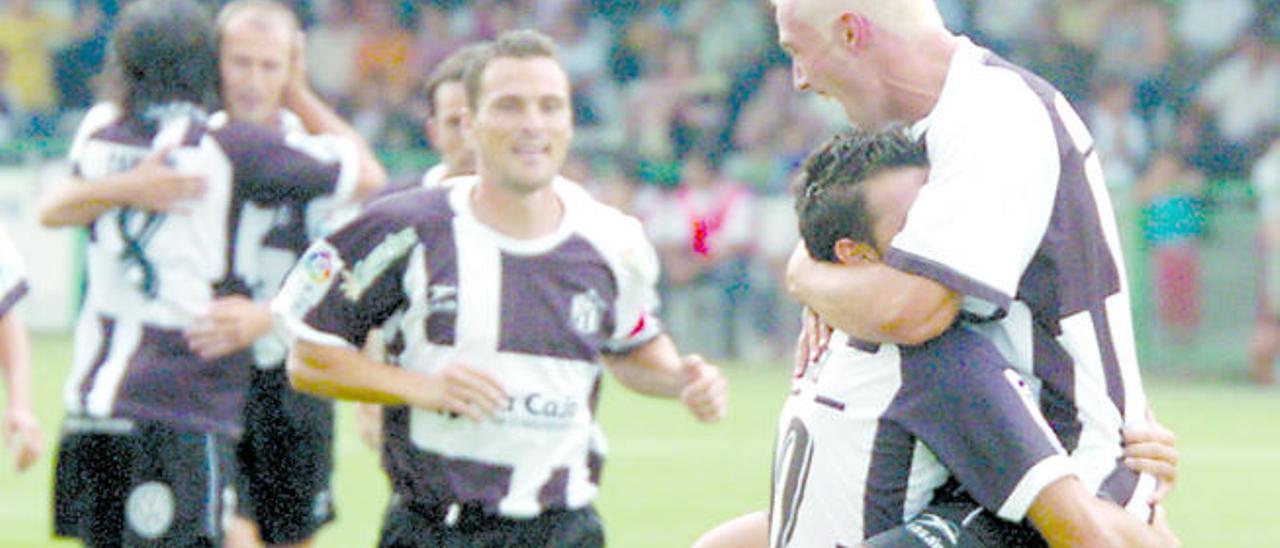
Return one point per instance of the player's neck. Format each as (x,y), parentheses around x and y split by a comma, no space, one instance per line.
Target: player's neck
(919,82)
(524,216)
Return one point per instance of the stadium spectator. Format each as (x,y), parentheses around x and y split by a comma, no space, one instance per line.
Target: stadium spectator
(152,417)
(1240,95)
(533,287)
(331,47)
(1120,134)
(1170,192)
(18,424)
(76,65)
(1011,202)
(1209,29)
(1264,344)
(29,35)
(703,233)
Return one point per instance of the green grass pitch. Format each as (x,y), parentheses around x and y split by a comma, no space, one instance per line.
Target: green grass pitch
(668,478)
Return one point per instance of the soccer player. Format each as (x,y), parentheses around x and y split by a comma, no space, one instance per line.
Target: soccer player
(505,292)
(861,445)
(447,103)
(20,429)
(146,447)
(1014,232)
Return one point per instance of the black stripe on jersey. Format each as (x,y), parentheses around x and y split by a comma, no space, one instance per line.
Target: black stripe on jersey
(106,328)
(884,501)
(1110,364)
(13,296)
(555,493)
(834,404)
(1120,485)
(442,279)
(595,465)
(1057,395)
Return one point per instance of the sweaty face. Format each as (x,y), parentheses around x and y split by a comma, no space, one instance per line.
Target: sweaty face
(831,68)
(889,195)
(522,124)
(445,126)
(254,63)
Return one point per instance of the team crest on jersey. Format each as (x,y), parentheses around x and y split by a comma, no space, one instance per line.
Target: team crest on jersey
(362,275)
(149,509)
(586,312)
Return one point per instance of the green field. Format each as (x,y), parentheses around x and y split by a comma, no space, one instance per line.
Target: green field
(669,478)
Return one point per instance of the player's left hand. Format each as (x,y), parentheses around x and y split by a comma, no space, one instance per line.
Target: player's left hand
(706,391)
(231,325)
(1153,450)
(22,434)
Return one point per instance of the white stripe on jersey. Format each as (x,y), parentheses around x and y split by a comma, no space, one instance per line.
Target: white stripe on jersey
(125,338)
(479,286)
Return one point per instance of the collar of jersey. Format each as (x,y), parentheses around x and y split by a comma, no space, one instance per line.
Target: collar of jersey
(460,202)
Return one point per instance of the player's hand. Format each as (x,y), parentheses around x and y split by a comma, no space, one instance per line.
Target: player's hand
(815,336)
(369,424)
(1160,524)
(298,85)
(706,391)
(1153,450)
(22,435)
(462,389)
(231,325)
(154,186)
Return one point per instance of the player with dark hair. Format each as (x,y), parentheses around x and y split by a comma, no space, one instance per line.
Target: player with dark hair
(151,421)
(893,444)
(448,112)
(504,293)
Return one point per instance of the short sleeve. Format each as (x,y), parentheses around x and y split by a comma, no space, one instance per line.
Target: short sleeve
(273,168)
(994,439)
(980,218)
(347,283)
(637,302)
(13,275)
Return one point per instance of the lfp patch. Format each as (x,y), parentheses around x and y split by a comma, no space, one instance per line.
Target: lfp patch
(319,264)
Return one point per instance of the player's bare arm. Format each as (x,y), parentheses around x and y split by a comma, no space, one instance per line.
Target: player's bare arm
(319,118)
(21,430)
(1067,514)
(745,531)
(151,185)
(657,369)
(874,302)
(347,374)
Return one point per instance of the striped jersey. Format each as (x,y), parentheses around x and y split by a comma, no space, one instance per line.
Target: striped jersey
(151,274)
(536,314)
(1015,216)
(871,431)
(269,239)
(13,275)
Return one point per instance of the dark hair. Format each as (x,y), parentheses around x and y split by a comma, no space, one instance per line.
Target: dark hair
(453,69)
(164,51)
(515,44)
(830,202)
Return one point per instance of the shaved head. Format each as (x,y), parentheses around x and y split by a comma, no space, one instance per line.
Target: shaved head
(901,16)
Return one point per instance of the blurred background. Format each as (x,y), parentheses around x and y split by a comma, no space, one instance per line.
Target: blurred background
(686,118)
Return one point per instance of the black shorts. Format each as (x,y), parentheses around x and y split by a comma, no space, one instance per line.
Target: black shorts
(411,526)
(123,483)
(284,462)
(957,523)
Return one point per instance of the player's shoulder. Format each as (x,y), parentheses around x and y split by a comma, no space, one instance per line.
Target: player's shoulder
(98,118)
(411,206)
(593,216)
(989,94)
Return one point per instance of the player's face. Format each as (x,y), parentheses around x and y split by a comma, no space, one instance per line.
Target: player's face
(445,127)
(523,123)
(889,196)
(255,70)
(838,70)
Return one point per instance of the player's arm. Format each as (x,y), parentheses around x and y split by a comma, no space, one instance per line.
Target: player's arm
(21,430)
(873,302)
(232,324)
(319,118)
(657,369)
(745,531)
(1067,514)
(151,185)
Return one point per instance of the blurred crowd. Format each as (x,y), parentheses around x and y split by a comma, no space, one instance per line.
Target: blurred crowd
(687,119)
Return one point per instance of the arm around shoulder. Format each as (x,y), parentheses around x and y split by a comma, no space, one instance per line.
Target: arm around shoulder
(1066,514)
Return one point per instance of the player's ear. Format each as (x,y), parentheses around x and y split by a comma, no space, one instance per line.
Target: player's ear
(852,29)
(849,252)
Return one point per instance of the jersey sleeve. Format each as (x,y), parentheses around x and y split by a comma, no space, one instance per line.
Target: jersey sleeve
(637,302)
(993,439)
(98,117)
(978,221)
(13,276)
(347,283)
(274,168)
